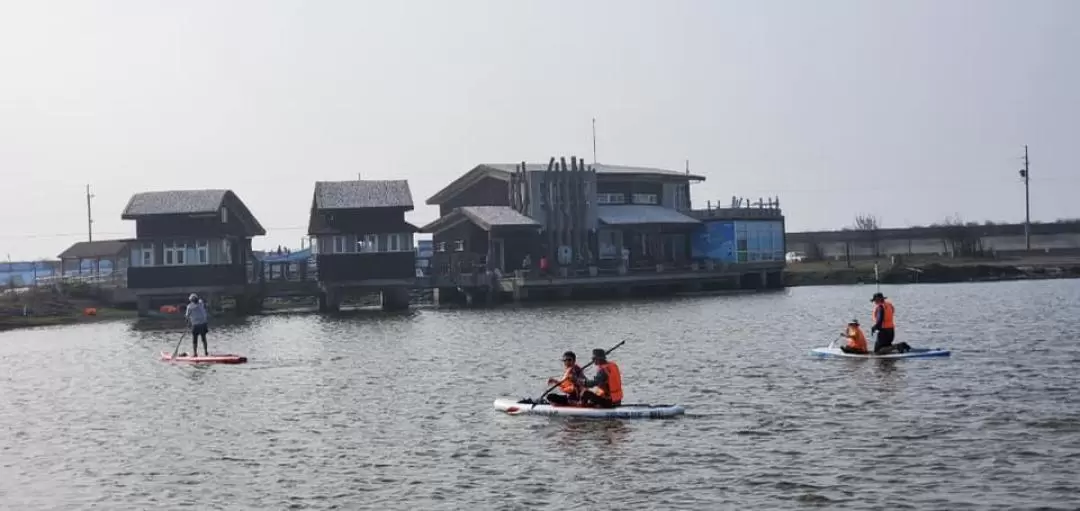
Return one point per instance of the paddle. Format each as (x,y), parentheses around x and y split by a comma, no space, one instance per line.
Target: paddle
(177,350)
(541,398)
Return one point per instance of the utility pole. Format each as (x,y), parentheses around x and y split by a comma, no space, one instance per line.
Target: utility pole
(594,140)
(1024,173)
(89,218)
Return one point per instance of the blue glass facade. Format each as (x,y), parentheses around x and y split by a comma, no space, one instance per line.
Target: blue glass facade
(739,241)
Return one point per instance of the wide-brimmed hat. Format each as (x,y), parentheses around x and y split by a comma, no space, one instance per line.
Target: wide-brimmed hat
(854,322)
(877,296)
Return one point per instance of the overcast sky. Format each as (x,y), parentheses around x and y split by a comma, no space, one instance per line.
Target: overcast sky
(910,110)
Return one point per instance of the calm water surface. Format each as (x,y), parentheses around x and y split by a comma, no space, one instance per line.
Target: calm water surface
(394,411)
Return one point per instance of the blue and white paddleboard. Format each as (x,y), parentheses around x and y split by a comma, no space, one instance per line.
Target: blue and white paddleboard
(836,352)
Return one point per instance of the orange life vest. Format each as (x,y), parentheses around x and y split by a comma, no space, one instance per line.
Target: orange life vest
(856,338)
(612,389)
(887,319)
(568,385)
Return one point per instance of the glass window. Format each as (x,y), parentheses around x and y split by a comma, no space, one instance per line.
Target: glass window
(611,198)
(645,198)
(370,243)
(202,251)
(339,245)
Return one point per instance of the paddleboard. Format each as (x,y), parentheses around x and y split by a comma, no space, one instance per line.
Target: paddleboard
(913,353)
(212,359)
(628,411)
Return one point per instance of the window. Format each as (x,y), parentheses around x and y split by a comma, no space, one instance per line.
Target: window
(645,198)
(174,252)
(224,215)
(611,198)
(370,243)
(394,242)
(202,251)
(459,245)
(339,245)
(226,251)
(145,255)
(441,247)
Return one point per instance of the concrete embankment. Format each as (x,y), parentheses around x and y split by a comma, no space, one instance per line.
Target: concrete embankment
(937,270)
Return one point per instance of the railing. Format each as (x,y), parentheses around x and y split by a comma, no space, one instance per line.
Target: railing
(112,278)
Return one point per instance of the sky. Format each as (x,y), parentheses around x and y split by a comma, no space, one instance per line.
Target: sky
(912,110)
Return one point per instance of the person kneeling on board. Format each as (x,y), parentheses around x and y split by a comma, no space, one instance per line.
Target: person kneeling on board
(197,317)
(568,383)
(856,339)
(604,390)
(885,327)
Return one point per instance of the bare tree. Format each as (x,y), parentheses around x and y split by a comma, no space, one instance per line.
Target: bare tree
(870,225)
(960,239)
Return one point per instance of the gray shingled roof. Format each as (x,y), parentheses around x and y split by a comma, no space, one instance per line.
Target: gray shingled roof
(497,216)
(363,194)
(95,249)
(641,214)
(174,202)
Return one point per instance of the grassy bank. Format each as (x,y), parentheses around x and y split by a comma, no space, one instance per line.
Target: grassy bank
(931,270)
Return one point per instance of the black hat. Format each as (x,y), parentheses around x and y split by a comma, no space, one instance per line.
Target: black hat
(599,354)
(877,296)
(854,322)
(569,354)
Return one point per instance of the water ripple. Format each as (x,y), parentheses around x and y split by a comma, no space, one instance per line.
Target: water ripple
(393,411)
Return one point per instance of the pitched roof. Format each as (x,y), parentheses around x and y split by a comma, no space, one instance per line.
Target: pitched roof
(497,216)
(638,214)
(94,249)
(174,202)
(363,194)
(503,171)
(485,217)
(189,202)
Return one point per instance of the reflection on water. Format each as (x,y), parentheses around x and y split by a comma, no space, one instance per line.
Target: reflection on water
(365,409)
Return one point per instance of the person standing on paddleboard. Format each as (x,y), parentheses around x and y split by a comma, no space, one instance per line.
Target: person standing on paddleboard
(568,383)
(604,390)
(197,318)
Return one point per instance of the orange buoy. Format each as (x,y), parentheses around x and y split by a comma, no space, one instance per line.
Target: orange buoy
(168,309)
(90,311)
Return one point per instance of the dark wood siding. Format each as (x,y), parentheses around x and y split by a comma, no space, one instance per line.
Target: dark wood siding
(201,226)
(516,245)
(150,277)
(476,239)
(360,221)
(375,265)
(486,192)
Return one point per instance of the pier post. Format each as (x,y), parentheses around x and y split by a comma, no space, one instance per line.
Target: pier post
(520,293)
(330,300)
(395,299)
(143,304)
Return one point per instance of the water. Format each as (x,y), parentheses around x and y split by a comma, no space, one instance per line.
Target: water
(394,411)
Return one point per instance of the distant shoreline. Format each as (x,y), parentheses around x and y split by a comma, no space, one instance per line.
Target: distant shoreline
(930,270)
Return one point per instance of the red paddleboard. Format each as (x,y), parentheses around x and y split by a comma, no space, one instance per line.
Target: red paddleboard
(212,359)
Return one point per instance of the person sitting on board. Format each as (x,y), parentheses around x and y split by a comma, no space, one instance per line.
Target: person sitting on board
(856,339)
(197,317)
(885,327)
(568,383)
(604,390)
